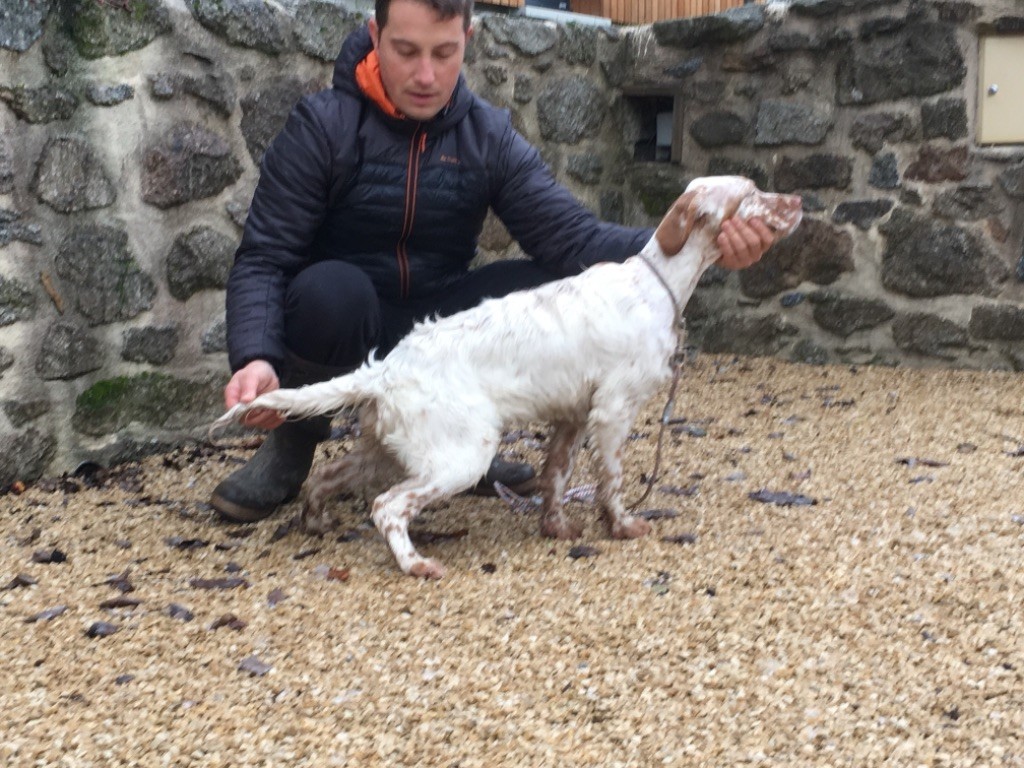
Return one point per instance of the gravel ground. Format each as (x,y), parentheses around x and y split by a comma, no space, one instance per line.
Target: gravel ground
(834,579)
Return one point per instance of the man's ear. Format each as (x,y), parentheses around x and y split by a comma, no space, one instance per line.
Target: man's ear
(374,32)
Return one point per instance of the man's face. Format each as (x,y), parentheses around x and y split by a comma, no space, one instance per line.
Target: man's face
(420,57)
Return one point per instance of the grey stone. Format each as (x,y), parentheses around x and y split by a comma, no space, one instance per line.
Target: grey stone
(957,11)
(578,45)
(719,129)
(69,177)
(921,60)
(727,166)
(611,206)
(6,360)
(1008,25)
(585,168)
(816,252)
(944,118)
(6,167)
(522,89)
(214,88)
(16,302)
(188,163)
(656,186)
(925,258)
(756,60)
(25,455)
(924,334)
(786,122)
(247,23)
(528,36)
(152,344)
(322,25)
(884,173)
(59,52)
(67,352)
(238,212)
(151,399)
(823,8)
(199,260)
(44,104)
(11,228)
(997,322)
(874,130)
(569,109)
(21,23)
(807,352)
(935,164)
(968,202)
(1012,180)
(731,26)
(109,95)
(861,213)
(817,171)
(101,276)
(215,338)
(743,335)
(496,74)
(845,315)
(266,109)
(109,29)
(685,68)
(22,412)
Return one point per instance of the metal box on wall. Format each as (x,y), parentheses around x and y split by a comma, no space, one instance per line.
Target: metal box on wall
(1001,90)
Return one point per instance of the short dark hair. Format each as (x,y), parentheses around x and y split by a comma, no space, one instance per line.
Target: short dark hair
(446,9)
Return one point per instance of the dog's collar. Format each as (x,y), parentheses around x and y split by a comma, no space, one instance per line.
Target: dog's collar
(664,284)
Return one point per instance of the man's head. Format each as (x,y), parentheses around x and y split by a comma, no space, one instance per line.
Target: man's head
(421,45)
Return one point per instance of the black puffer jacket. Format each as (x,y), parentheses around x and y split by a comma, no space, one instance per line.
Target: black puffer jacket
(403,200)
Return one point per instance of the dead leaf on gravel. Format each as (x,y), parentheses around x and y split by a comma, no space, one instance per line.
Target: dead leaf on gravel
(350,535)
(305,553)
(583,550)
(489,568)
(966,448)
(254,666)
(180,612)
(120,602)
(230,621)
(275,597)
(120,582)
(681,538)
(912,462)
(223,583)
(179,542)
(679,490)
(782,498)
(433,537)
(20,581)
(48,615)
(101,629)
(32,537)
(47,556)
(285,528)
(332,574)
(123,679)
(657,514)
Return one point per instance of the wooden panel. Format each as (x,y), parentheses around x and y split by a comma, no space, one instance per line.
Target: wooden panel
(637,11)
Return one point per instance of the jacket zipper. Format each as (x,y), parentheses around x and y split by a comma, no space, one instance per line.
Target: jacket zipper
(417,147)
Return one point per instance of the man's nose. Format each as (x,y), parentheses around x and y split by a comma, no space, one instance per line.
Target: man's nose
(424,73)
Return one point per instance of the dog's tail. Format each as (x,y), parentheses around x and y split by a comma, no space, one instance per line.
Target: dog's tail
(326,398)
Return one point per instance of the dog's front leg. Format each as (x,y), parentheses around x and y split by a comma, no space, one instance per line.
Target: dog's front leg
(565,444)
(610,430)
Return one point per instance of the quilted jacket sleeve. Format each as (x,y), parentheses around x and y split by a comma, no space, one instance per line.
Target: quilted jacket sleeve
(288,206)
(550,224)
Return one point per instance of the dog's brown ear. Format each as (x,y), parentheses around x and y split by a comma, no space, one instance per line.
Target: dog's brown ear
(674,230)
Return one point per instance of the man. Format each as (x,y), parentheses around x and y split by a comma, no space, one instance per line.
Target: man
(367,213)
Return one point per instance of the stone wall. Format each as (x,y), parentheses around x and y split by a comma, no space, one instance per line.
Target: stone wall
(131,132)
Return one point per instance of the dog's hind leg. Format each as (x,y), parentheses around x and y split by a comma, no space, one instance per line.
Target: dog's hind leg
(366,466)
(558,467)
(610,426)
(394,509)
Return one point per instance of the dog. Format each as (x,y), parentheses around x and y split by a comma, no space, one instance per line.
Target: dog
(584,354)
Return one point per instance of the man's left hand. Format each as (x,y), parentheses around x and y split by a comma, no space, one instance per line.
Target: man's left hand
(743,242)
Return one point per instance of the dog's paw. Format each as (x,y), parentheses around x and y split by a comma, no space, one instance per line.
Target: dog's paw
(630,528)
(316,521)
(560,528)
(426,569)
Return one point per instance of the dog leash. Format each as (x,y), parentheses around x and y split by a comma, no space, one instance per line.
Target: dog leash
(677,361)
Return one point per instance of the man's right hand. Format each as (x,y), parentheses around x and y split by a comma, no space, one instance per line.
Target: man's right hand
(256,378)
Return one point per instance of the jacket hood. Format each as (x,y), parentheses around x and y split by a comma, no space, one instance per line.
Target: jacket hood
(357,47)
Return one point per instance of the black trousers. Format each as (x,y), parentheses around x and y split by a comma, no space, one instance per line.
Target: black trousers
(334,317)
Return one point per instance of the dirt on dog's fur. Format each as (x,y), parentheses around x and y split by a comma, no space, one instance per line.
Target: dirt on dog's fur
(834,578)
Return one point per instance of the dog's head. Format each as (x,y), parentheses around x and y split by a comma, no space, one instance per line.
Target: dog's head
(709,201)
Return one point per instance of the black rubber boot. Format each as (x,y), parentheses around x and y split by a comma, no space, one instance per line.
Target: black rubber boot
(275,473)
(516,476)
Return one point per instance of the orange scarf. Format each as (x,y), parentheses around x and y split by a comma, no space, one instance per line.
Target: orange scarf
(369,81)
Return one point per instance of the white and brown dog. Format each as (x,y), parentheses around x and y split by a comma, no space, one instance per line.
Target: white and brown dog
(583,353)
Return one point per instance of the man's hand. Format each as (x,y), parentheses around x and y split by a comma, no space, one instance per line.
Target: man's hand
(743,242)
(254,379)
